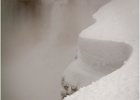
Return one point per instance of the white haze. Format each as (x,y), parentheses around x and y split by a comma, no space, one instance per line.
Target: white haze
(38,44)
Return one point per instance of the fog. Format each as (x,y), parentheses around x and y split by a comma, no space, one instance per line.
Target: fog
(39,40)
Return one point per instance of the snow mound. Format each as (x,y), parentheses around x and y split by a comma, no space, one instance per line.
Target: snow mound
(119,85)
(110,44)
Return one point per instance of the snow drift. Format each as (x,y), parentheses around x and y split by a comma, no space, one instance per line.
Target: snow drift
(108,55)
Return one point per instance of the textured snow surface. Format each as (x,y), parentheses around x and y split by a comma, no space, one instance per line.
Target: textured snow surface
(114,33)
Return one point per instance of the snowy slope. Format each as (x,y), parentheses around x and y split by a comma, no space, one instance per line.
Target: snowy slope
(108,55)
(120,85)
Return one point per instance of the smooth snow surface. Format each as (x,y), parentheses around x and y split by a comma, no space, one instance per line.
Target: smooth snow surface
(120,85)
(96,59)
(108,55)
(115,22)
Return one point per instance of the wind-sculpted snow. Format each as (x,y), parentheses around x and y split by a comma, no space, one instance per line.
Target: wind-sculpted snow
(119,85)
(107,56)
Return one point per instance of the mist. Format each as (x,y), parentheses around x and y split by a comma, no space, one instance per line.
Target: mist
(39,40)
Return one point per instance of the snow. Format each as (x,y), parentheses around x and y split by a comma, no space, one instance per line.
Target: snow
(37,49)
(114,23)
(108,55)
(119,85)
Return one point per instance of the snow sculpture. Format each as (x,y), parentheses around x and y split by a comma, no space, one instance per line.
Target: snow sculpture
(108,56)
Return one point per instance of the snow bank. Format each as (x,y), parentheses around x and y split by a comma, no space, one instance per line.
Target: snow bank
(96,59)
(108,55)
(120,85)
